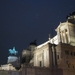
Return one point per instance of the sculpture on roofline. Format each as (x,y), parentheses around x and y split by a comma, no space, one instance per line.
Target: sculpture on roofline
(33,43)
(13,51)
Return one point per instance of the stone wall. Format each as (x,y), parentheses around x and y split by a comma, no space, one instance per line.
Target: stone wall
(40,71)
(5,72)
(2,72)
(68,71)
(28,70)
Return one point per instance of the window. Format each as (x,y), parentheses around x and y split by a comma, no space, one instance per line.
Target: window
(57,56)
(67,52)
(74,53)
(68,65)
(73,66)
(71,53)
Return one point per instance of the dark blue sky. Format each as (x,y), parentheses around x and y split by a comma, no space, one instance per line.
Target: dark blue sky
(23,21)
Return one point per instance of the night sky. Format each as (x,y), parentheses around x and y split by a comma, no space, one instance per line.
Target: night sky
(23,21)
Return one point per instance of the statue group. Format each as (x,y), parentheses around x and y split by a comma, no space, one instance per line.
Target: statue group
(13,51)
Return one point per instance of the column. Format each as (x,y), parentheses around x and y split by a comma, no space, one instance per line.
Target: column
(54,55)
(50,56)
(42,60)
(62,37)
(59,35)
(65,36)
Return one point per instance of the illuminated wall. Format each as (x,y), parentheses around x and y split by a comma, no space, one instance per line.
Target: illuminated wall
(66,33)
(41,56)
(12,59)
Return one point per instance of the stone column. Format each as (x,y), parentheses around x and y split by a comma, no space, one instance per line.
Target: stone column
(65,38)
(54,55)
(59,35)
(50,56)
(35,60)
(62,39)
(43,58)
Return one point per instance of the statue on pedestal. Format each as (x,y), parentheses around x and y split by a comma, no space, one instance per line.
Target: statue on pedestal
(13,51)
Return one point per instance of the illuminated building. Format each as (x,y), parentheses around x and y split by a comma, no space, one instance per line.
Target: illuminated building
(58,52)
(7,67)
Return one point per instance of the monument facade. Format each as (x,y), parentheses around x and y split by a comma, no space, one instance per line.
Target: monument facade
(56,53)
